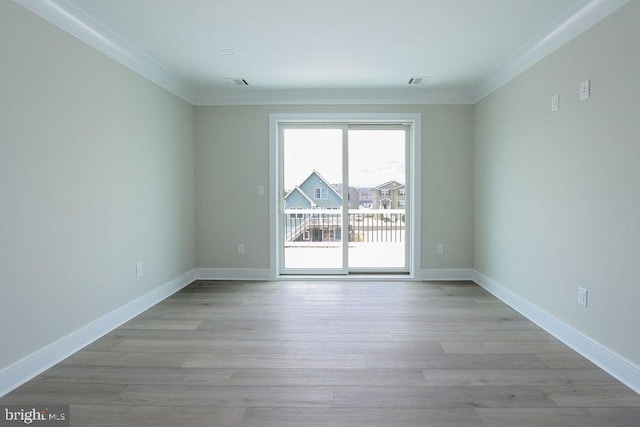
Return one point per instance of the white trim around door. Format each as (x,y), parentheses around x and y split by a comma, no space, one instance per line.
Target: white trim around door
(413,120)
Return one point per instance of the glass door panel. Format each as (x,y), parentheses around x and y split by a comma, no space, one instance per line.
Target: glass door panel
(378,199)
(312,202)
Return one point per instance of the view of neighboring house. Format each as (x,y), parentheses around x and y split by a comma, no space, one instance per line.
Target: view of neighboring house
(316,193)
(390,195)
(365,198)
(313,193)
(354,195)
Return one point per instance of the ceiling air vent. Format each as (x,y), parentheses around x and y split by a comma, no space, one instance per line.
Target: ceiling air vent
(416,80)
(237,81)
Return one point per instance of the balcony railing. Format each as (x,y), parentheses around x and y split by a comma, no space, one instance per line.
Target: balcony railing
(323,227)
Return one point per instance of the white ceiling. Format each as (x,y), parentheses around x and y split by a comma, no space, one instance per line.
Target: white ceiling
(309,50)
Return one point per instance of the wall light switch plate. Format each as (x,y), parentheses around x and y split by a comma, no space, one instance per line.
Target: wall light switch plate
(555,102)
(139,269)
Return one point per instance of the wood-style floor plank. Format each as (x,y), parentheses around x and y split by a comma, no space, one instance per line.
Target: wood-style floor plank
(438,397)
(455,361)
(371,417)
(616,395)
(560,417)
(65,393)
(517,377)
(328,377)
(115,358)
(242,396)
(161,416)
(505,347)
(331,353)
(129,375)
(283,361)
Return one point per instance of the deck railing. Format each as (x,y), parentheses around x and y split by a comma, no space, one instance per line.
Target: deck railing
(309,227)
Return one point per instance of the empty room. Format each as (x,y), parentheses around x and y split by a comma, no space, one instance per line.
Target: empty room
(338,213)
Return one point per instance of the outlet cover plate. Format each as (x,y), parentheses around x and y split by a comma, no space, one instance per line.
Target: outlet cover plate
(585,90)
(555,102)
(582,296)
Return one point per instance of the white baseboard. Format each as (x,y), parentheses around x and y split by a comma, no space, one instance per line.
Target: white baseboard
(447,274)
(233,273)
(39,361)
(617,366)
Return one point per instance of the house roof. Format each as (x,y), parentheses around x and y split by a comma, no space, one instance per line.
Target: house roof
(315,172)
(396,185)
(299,190)
(338,188)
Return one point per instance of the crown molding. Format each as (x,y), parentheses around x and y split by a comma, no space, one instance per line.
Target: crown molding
(563,30)
(75,21)
(72,19)
(410,96)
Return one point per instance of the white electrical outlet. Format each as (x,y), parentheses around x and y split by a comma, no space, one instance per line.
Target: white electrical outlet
(582,296)
(260,190)
(139,269)
(241,248)
(555,102)
(439,248)
(585,90)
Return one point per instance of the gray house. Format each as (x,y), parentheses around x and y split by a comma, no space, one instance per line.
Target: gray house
(365,198)
(354,195)
(390,195)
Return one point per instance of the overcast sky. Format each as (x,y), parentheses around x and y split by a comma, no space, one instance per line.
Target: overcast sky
(375,157)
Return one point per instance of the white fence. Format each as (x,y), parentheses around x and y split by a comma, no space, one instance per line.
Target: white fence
(324,227)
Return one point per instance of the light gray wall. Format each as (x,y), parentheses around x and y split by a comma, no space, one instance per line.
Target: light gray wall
(232,159)
(96,174)
(557,195)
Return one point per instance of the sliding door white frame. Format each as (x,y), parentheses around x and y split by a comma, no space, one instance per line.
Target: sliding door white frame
(413,120)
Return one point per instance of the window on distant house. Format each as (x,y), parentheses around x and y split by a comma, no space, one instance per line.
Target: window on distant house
(402,192)
(384,192)
(402,204)
(321,193)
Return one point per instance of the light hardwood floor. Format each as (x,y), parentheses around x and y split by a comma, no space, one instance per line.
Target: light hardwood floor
(332,354)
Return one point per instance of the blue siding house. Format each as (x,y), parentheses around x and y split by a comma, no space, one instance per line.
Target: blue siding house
(314,192)
(297,199)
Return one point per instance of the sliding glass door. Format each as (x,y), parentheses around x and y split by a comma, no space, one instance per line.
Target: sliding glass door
(343,198)
(312,201)
(377,198)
